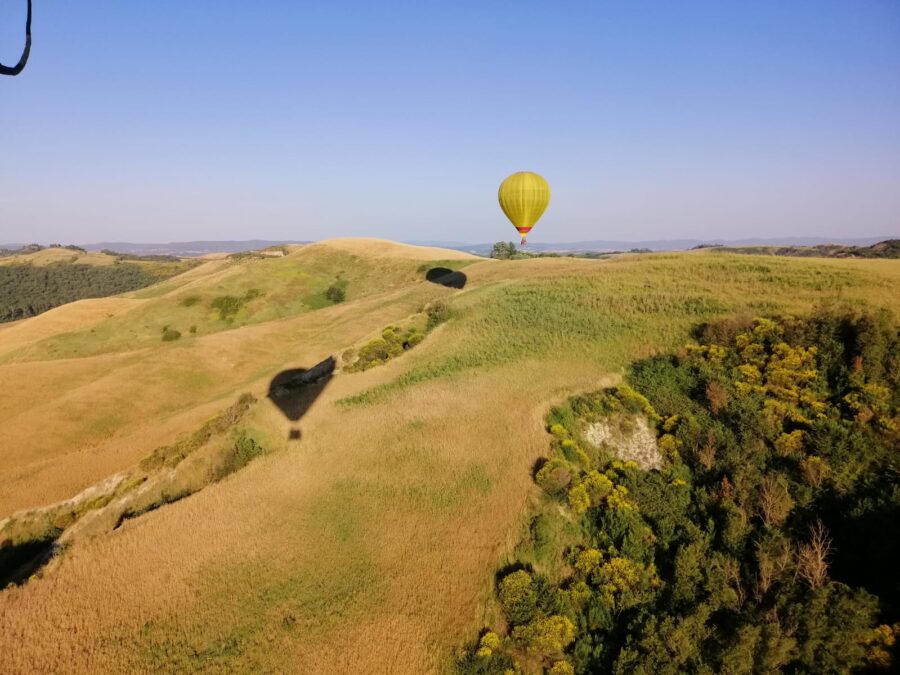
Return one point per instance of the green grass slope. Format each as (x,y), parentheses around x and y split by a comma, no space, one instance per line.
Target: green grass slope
(239,291)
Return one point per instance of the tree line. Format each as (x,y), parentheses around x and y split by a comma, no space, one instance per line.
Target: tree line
(27,290)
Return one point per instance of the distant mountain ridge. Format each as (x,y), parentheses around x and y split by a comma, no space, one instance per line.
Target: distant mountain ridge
(663,244)
(204,247)
(890,248)
(190,248)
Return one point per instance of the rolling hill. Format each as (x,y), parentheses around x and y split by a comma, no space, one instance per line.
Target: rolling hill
(888,248)
(365,535)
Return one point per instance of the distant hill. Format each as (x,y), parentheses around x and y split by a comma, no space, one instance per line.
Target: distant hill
(190,249)
(607,245)
(883,249)
(9,250)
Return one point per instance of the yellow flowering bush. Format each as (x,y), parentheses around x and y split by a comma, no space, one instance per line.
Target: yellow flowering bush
(578,498)
(788,444)
(547,636)
(561,668)
(489,642)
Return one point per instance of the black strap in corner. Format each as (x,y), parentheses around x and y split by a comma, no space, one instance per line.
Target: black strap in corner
(20,66)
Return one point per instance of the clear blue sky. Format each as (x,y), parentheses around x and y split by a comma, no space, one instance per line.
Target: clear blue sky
(160,121)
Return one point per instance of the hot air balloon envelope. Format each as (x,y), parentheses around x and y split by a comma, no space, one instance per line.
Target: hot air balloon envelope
(524,197)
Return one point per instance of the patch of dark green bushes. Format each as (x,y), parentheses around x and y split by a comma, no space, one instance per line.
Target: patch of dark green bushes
(244,449)
(336,293)
(28,290)
(437,313)
(229,305)
(133,257)
(169,334)
(393,342)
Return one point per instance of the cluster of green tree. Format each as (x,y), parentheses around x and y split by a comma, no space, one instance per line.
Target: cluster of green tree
(767,542)
(140,258)
(170,334)
(24,250)
(597,255)
(35,248)
(228,305)
(889,248)
(266,253)
(337,292)
(395,340)
(27,290)
(248,255)
(507,250)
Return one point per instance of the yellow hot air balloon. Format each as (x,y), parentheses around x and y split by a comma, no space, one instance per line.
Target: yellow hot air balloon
(524,197)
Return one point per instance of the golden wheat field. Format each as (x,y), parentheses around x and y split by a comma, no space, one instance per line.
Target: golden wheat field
(369,544)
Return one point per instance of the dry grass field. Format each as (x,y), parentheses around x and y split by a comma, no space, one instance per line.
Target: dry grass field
(369,544)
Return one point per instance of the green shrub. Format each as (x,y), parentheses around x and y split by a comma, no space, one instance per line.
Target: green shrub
(541,531)
(518,597)
(392,343)
(437,313)
(170,334)
(478,662)
(227,306)
(555,476)
(375,350)
(503,250)
(336,293)
(547,636)
(190,300)
(241,453)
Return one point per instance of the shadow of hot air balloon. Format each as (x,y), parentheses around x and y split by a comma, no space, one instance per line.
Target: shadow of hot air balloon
(444,276)
(296,389)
